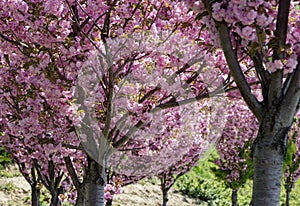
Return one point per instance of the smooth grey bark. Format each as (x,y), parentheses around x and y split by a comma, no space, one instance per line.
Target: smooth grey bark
(234,197)
(94,184)
(236,71)
(90,192)
(268,157)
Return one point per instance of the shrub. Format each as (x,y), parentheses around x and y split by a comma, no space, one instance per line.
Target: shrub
(201,184)
(4,157)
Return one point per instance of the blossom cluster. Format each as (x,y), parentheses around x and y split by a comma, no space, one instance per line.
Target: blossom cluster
(44,45)
(234,147)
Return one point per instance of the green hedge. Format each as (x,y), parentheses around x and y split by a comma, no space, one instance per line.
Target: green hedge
(4,157)
(201,184)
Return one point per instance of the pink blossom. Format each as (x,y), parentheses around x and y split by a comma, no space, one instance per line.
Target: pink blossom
(108,196)
(37,81)
(262,20)
(255,4)
(251,15)
(278,64)
(23,6)
(271,67)
(218,12)
(292,62)
(248,33)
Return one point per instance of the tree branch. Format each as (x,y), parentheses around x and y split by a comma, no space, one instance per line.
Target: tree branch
(282,24)
(72,172)
(130,132)
(237,72)
(110,94)
(128,19)
(276,80)
(262,74)
(18,44)
(291,100)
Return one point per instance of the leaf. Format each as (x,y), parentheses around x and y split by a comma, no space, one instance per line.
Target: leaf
(291,151)
(199,16)
(253,49)
(186,24)
(273,43)
(293,147)
(261,35)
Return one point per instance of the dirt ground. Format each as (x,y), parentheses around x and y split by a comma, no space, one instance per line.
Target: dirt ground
(15,191)
(147,194)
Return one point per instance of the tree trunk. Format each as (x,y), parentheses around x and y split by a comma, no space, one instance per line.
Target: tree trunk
(55,201)
(165,196)
(268,157)
(80,200)
(234,197)
(165,188)
(35,195)
(287,198)
(94,184)
(109,202)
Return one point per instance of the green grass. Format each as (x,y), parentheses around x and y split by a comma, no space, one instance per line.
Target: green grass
(10,172)
(7,187)
(201,184)
(5,164)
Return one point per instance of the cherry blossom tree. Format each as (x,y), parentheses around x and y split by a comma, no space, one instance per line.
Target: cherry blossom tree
(201,143)
(44,44)
(57,122)
(210,131)
(173,170)
(263,36)
(169,176)
(292,163)
(254,35)
(33,126)
(235,165)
